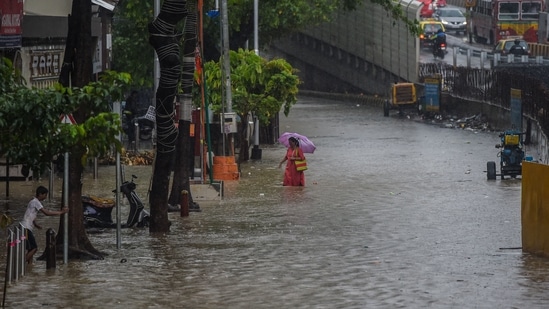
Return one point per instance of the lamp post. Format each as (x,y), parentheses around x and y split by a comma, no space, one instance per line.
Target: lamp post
(256,27)
(226,71)
(256,152)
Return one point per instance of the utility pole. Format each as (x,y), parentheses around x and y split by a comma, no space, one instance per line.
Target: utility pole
(226,69)
(256,152)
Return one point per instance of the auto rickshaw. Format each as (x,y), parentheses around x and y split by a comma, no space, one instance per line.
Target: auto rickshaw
(403,95)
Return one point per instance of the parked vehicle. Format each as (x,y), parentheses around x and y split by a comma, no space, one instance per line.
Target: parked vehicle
(452,19)
(403,95)
(145,127)
(98,211)
(511,156)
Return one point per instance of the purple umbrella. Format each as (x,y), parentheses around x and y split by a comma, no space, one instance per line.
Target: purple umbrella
(304,143)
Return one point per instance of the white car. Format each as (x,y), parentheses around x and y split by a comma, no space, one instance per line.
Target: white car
(452,19)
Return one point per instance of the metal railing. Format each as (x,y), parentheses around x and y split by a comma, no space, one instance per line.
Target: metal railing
(493,85)
(497,58)
(16,265)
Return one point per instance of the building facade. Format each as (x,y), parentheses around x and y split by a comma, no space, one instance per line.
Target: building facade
(34,32)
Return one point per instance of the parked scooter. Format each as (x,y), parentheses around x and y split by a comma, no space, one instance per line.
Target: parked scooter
(145,126)
(98,211)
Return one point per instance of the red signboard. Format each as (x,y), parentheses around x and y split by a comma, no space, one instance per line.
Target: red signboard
(11,16)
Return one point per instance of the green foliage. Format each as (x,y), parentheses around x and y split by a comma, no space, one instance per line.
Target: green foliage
(131,50)
(9,77)
(31,132)
(282,17)
(258,86)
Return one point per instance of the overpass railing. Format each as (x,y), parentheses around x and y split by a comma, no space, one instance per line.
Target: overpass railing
(493,85)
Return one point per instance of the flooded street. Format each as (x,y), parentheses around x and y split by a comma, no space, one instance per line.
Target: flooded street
(396,213)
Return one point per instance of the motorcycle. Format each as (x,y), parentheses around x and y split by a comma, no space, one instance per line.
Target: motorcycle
(98,211)
(145,126)
(439,50)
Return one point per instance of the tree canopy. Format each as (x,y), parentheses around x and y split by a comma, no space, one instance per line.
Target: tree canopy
(32,132)
(131,50)
(260,86)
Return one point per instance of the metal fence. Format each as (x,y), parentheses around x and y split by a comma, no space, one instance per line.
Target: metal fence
(494,85)
(16,242)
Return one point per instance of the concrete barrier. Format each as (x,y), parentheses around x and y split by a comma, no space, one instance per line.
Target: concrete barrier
(537,49)
(535,208)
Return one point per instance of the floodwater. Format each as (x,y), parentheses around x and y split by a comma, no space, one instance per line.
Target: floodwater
(396,213)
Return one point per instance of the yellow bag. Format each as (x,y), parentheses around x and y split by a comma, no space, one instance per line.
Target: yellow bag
(301,165)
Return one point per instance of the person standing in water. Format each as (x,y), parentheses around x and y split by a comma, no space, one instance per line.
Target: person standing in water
(293,177)
(29,219)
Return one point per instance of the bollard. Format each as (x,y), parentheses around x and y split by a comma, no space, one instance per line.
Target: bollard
(50,249)
(184,203)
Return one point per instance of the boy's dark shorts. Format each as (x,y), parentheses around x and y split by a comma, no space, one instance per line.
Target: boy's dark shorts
(31,241)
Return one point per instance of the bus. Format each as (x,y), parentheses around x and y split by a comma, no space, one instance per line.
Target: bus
(493,20)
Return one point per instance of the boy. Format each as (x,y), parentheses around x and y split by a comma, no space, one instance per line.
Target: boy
(29,220)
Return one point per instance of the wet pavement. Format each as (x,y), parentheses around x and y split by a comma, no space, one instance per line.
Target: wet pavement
(396,213)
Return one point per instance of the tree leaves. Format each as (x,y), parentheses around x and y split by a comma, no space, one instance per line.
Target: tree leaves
(259,86)
(32,131)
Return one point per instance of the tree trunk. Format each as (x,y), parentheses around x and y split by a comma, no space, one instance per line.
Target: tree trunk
(184,161)
(163,39)
(77,68)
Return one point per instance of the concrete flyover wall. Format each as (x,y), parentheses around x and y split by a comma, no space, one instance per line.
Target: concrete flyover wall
(371,35)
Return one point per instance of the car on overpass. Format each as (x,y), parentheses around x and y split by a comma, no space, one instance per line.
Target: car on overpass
(452,19)
(504,46)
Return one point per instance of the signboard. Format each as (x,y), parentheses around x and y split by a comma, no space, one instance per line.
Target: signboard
(11,16)
(516,109)
(67,118)
(432,94)
(470,3)
(98,57)
(151,114)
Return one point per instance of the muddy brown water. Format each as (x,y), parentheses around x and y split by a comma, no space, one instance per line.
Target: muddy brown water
(396,213)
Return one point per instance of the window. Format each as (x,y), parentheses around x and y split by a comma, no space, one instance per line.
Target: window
(509,11)
(530,10)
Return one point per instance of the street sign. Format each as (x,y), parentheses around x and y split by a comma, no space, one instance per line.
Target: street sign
(67,118)
(432,94)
